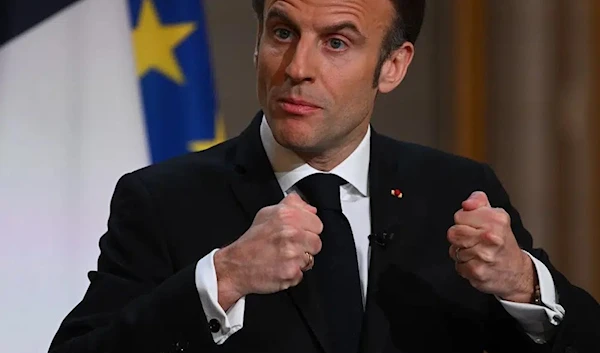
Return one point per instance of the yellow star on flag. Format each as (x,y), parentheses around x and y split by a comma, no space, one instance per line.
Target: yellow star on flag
(155,43)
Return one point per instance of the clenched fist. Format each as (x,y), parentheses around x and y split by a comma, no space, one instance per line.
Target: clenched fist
(487,253)
(270,256)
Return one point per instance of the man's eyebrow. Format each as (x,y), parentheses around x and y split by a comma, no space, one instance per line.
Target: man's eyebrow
(338,27)
(278,14)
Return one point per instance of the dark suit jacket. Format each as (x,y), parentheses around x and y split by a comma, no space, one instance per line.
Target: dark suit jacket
(164,218)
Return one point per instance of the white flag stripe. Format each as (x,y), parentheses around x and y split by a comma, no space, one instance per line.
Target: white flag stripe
(70,124)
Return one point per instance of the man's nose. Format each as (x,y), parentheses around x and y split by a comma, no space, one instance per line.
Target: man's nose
(300,67)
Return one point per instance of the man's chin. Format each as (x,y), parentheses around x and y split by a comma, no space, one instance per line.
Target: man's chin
(295,132)
(297,141)
(293,141)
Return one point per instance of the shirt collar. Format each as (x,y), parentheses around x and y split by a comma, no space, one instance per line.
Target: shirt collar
(289,168)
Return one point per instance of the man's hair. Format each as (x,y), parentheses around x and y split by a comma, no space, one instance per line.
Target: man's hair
(406,26)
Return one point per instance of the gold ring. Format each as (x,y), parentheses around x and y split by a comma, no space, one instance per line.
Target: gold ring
(310,263)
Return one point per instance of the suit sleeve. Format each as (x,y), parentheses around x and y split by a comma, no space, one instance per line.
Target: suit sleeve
(579,330)
(135,302)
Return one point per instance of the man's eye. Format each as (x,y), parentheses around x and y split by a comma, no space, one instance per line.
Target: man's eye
(337,44)
(283,33)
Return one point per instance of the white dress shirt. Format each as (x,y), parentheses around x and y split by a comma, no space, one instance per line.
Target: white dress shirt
(354,196)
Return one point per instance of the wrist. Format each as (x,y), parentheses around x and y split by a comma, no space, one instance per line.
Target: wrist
(527,288)
(227,285)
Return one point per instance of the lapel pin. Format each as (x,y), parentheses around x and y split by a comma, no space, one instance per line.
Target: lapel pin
(397,193)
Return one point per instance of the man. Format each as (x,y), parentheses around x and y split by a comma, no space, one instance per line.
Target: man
(310,232)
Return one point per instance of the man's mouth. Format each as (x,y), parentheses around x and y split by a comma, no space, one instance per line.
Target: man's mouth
(297,106)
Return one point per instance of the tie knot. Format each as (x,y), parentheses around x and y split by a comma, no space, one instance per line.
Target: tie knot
(322,190)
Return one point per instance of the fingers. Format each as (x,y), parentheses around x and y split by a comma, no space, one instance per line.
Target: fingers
(468,243)
(477,200)
(312,243)
(303,228)
(464,255)
(294,200)
(310,222)
(476,272)
(474,243)
(308,219)
(291,275)
(484,217)
(464,236)
(476,218)
(484,247)
(460,255)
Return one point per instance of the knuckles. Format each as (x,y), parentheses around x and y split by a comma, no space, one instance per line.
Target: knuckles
(501,217)
(277,233)
(285,214)
(290,272)
(491,238)
(458,216)
(288,252)
(497,216)
(453,234)
(318,245)
(476,271)
(278,230)
(452,252)
(319,226)
(486,256)
(264,213)
(297,278)
(289,234)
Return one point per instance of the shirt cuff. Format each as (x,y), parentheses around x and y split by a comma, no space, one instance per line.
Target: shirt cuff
(538,320)
(224,323)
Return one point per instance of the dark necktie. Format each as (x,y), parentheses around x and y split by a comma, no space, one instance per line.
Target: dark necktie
(336,266)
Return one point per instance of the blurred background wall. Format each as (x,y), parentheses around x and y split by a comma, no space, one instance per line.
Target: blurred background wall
(514,83)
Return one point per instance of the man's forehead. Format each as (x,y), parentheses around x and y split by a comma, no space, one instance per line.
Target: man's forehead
(365,12)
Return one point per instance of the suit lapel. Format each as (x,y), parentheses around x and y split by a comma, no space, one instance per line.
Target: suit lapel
(255,187)
(389,170)
(254,184)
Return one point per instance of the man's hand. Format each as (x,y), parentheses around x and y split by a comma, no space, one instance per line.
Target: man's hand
(487,253)
(270,256)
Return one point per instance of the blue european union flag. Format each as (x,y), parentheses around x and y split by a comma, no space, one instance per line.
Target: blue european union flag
(173,63)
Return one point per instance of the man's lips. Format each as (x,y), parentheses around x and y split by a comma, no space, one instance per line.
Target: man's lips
(297,106)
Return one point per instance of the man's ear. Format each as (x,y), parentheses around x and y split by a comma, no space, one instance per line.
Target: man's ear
(394,68)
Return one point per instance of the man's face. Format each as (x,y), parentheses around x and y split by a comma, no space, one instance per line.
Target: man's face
(315,66)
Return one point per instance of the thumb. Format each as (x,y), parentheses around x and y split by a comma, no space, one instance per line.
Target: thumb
(294,200)
(477,200)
